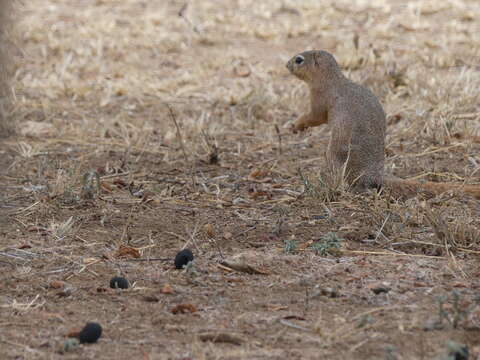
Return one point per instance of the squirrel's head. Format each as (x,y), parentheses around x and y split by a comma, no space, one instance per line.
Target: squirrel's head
(310,65)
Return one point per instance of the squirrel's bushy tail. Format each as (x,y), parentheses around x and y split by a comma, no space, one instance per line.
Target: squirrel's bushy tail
(409,188)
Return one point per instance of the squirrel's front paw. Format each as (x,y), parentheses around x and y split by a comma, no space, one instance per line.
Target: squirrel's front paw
(298,126)
(303,122)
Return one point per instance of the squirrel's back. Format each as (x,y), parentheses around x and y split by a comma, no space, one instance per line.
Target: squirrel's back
(358,134)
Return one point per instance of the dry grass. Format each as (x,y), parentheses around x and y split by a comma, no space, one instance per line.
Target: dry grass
(6,21)
(164,124)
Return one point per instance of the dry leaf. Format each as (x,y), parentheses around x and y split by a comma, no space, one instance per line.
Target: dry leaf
(106,186)
(35,129)
(57,284)
(51,316)
(209,230)
(184,309)
(460,284)
(225,268)
(241,70)
(120,183)
(232,279)
(260,193)
(378,288)
(326,291)
(305,245)
(74,333)
(25,246)
(294,317)
(39,229)
(265,180)
(167,289)
(127,251)
(242,267)
(102,290)
(108,255)
(151,298)
(257,173)
(66,291)
(147,196)
(274,307)
(88,261)
(221,338)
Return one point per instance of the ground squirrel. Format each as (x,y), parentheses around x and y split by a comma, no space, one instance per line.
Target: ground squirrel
(358,126)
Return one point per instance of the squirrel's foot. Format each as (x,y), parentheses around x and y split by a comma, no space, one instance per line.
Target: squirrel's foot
(298,126)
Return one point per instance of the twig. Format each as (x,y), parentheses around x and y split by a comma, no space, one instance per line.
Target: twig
(381,228)
(279,135)
(468,116)
(292,325)
(361,252)
(181,13)
(225,268)
(218,248)
(242,267)
(179,133)
(429,152)
(25,209)
(6,262)
(222,337)
(192,237)
(243,232)
(381,308)
(150,259)
(127,224)
(213,149)
(114,175)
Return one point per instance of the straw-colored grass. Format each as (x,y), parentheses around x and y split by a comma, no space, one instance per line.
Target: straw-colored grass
(6,35)
(143,127)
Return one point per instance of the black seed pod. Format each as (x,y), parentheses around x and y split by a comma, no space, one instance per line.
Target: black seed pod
(183,258)
(90,333)
(118,282)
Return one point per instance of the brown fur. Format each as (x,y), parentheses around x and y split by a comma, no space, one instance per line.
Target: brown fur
(355,116)
(357,122)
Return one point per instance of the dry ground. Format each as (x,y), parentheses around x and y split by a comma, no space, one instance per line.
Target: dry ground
(101,85)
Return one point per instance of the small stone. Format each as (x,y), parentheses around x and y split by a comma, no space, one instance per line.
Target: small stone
(56,284)
(167,289)
(69,345)
(209,230)
(457,351)
(329,292)
(433,324)
(379,288)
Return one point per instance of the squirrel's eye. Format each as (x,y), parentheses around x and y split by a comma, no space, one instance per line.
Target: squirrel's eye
(299,59)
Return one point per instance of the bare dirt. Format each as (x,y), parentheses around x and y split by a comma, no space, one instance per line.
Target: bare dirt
(183,110)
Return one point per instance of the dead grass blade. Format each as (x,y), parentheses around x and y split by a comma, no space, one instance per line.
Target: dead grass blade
(242,267)
(221,337)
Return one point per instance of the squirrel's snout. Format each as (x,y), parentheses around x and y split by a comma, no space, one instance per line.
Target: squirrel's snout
(288,65)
